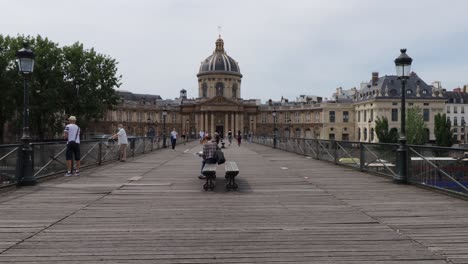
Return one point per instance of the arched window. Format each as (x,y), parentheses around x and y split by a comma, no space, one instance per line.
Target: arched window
(372,134)
(204,90)
(359,134)
(219,88)
(365,134)
(234,90)
(298,133)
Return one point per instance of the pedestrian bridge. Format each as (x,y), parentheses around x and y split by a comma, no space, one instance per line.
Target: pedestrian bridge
(290,208)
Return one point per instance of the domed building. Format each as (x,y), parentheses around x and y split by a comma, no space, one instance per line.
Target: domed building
(219,75)
(219,106)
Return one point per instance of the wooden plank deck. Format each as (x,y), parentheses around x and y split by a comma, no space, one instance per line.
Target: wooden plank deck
(288,209)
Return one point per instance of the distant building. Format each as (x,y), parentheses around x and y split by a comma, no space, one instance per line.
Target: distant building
(457,113)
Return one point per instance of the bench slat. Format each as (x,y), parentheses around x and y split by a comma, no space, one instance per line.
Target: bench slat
(231,166)
(209,168)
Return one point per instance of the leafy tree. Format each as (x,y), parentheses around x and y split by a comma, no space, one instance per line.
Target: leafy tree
(90,79)
(385,135)
(415,127)
(442,130)
(68,80)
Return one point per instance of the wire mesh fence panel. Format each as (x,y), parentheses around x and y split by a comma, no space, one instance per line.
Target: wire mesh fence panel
(348,154)
(8,158)
(441,168)
(49,158)
(380,158)
(326,150)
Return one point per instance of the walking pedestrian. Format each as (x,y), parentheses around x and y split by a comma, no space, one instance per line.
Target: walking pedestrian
(72,134)
(230,137)
(173,138)
(202,136)
(122,141)
(184,137)
(239,138)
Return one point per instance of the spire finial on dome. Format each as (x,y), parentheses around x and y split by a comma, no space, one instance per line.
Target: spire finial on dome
(219,42)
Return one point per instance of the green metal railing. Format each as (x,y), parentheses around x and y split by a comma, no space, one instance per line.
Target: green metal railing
(49,157)
(435,167)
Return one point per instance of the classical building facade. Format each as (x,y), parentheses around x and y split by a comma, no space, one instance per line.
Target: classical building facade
(219,107)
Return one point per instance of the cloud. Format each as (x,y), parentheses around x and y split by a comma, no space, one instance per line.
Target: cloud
(283,47)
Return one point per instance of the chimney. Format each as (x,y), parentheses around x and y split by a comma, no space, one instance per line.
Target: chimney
(375,78)
(270,102)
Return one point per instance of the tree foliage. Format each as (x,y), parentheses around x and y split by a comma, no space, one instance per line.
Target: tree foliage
(442,131)
(69,80)
(415,127)
(383,133)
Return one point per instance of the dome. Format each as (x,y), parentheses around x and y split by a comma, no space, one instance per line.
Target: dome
(219,62)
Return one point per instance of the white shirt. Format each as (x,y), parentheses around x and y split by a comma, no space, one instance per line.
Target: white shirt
(122,137)
(174,134)
(73,133)
(201,134)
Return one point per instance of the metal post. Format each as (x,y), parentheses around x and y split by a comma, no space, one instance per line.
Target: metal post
(401,177)
(24,173)
(274,132)
(164,131)
(100,153)
(361,156)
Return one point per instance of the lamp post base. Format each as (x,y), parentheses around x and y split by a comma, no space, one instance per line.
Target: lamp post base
(24,169)
(164,142)
(401,177)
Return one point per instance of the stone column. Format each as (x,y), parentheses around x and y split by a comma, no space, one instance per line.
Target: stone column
(212,123)
(226,124)
(233,129)
(241,115)
(197,125)
(206,123)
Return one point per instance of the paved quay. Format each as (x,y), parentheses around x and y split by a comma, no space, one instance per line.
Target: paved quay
(289,209)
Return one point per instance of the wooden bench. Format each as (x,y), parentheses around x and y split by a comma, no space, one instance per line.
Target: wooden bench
(209,171)
(231,172)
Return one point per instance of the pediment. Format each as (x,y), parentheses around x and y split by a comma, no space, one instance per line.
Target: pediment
(220,100)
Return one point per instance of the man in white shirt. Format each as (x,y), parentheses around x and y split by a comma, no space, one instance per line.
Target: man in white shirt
(202,135)
(72,135)
(173,138)
(122,141)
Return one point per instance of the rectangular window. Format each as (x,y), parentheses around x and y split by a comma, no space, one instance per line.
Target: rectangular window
(455,109)
(462,109)
(332,116)
(345,137)
(394,115)
(365,116)
(307,117)
(317,117)
(297,116)
(359,116)
(286,117)
(448,109)
(174,117)
(455,121)
(129,116)
(331,136)
(140,117)
(264,119)
(119,116)
(372,115)
(345,116)
(426,115)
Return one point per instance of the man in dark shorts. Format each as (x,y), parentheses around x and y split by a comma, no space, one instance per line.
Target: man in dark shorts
(72,135)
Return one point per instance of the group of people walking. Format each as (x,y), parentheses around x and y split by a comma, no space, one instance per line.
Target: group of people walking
(203,137)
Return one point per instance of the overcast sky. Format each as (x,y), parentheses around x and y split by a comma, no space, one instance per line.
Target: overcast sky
(284,48)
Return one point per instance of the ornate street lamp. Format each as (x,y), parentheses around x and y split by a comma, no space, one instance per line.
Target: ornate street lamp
(274,127)
(164,114)
(24,169)
(403,69)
